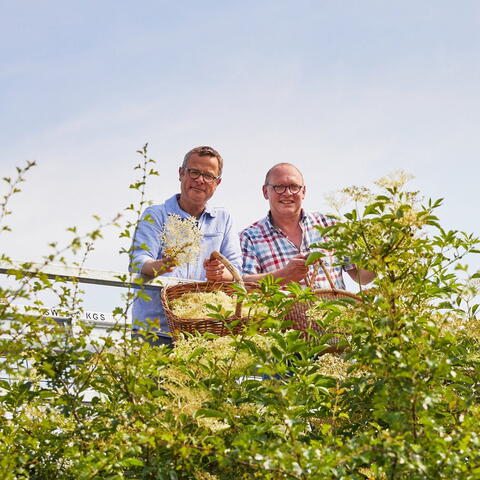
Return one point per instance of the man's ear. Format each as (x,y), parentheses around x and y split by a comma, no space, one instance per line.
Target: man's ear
(265,192)
(219,181)
(180,173)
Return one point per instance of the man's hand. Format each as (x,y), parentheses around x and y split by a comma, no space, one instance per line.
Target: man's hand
(295,270)
(215,271)
(153,268)
(361,276)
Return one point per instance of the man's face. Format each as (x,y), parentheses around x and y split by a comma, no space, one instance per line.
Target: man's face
(286,203)
(198,191)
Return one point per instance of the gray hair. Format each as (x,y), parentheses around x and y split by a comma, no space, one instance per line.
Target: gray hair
(204,151)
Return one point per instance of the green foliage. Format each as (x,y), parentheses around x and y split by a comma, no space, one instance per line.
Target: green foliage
(401,402)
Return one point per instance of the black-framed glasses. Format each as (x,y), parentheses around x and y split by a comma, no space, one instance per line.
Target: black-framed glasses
(194,174)
(293,188)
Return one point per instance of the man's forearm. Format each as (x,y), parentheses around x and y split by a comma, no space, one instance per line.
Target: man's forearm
(256,277)
(153,268)
(294,271)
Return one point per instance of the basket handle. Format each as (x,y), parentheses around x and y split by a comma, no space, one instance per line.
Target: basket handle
(327,274)
(236,276)
(310,280)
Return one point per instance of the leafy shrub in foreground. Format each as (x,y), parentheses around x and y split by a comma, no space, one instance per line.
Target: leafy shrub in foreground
(401,402)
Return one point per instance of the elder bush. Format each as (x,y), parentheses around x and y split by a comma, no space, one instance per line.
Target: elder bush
(401,402)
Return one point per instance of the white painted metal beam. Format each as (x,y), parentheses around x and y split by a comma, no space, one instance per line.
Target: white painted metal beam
(87,275)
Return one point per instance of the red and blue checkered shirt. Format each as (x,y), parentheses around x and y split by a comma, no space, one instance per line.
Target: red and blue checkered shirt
(266,248)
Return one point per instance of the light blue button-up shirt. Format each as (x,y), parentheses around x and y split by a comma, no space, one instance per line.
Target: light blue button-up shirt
(218,234)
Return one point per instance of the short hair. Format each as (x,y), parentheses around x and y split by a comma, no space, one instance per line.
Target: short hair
(283,164)
(204,151)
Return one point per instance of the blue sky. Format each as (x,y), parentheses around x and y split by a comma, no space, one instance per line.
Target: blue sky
(346,90)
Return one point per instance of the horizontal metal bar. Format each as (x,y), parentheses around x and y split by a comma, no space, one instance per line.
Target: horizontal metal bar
(87,275)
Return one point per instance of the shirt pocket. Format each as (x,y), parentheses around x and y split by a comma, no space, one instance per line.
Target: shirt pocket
(212,241)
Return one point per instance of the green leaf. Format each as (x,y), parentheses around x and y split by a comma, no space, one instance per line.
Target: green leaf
(210,412)
(313,257)
(132,462)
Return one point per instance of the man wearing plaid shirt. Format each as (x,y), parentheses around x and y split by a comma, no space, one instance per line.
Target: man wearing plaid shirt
(278,244)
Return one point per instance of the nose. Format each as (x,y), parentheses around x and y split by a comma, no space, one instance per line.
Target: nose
(200,179)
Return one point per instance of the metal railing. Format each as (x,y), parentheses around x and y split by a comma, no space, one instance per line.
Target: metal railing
(104,324)
(87,275)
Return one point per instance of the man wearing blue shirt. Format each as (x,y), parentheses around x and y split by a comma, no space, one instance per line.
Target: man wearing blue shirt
(199,175)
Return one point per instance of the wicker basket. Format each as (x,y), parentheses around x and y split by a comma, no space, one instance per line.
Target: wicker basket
(297,317)
(204,325)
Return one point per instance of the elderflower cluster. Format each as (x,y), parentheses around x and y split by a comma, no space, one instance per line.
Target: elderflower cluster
(213,424)
(463,326)
(218,350)
(182,239)
(319,316)
(394,180)
(333,366)
(358,194)
(369,475)
(194,305)
(471,290)
(183,382)
(201,475)
(336,201)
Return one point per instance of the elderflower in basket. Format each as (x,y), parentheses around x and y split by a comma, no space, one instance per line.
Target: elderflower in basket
(182,239)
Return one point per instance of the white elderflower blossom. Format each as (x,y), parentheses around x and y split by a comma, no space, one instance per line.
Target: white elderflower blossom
(358,194)
(200,475)
(336,201)
(182,380)
(396,179)
(213,424)
(471,289)
(333,366)
(194,305)
(182,239)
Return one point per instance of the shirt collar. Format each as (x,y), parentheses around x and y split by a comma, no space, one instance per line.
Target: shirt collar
(269,221)
(173,206)
(210,211)
(271,226)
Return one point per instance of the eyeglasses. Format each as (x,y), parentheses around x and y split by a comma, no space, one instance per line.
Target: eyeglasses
(194,174)
(293,189)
